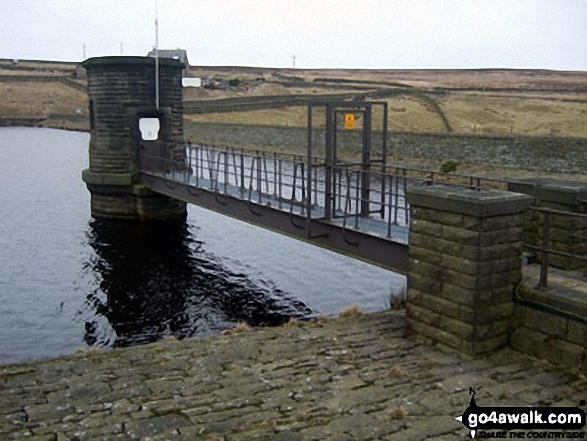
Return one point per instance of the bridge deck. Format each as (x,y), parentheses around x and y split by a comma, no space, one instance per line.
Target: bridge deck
(370,225)
(328,208)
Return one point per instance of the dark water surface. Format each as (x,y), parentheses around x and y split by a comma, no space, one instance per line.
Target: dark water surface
(68,280)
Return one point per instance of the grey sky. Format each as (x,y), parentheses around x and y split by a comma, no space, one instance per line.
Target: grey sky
(538,34)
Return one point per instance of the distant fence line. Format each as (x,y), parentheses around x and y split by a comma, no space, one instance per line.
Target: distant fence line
(44,79)
(275,101)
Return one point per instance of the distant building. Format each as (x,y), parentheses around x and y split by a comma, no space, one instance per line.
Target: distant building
(177,54)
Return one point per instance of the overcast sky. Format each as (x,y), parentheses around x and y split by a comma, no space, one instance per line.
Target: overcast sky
(538,34)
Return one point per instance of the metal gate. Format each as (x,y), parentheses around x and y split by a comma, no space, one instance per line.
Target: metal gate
(351,153)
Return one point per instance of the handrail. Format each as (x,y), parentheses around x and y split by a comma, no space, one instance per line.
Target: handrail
(545,248)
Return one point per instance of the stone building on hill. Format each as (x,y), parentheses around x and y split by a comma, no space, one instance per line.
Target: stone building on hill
(176,54)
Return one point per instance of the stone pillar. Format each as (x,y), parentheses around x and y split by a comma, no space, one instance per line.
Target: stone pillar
(566,234)
(122,91)
(464,264)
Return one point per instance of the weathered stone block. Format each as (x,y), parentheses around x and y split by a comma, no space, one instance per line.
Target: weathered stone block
(497,237)
(498,280)
(434,334)
(436,243)
(457,294)
(425,269)
(502,222)
(493,329)
(459,279)
(492,252)
(439,217)
(445,306)
(417,297)
(465,266)
(460,235)
(547,323)
(425,315)
(464,331)
(478,347)
(495,312)
(577,333)
(542,345)
(426,227)
(497,296)
(432,257)
(424,284)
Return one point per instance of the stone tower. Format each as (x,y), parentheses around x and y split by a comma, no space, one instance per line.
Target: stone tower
(122,92)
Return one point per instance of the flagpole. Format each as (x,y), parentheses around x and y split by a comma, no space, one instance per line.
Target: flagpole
(156,57)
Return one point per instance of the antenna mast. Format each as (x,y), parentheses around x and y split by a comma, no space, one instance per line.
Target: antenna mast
(156,57)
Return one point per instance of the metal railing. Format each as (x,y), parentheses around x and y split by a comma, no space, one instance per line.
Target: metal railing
(354,196)
(344,194)
(576,240)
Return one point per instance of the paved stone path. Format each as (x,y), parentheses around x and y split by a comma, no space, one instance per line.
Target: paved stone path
(346,379)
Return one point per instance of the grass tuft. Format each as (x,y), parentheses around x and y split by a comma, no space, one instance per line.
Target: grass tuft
(398,413)
(396,372)
(353,311)
(242,327)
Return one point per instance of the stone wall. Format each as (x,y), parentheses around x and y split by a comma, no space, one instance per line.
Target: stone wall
(548,153)
(551,335)
(566,233)
(555,154)
(465,278)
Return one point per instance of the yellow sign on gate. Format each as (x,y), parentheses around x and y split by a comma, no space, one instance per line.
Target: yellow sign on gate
(349,121)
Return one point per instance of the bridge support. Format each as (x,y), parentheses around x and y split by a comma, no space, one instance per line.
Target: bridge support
(121,93)
(465,262)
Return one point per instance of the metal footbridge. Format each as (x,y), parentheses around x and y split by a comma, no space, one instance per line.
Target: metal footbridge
(356,208)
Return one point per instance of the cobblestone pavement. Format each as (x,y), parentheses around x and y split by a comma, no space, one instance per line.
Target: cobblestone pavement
(345,379)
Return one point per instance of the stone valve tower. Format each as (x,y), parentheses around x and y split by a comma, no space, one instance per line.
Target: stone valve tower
(122,95)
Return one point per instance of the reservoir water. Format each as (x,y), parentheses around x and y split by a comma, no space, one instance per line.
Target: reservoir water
(69,281)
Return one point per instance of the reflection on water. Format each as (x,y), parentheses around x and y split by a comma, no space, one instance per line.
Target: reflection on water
(65,279)
(155,280)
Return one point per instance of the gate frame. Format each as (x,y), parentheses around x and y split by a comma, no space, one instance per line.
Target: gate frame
(332,109)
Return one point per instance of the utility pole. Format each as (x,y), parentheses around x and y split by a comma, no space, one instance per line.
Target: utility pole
(156,57)
(294,61)
(84,51)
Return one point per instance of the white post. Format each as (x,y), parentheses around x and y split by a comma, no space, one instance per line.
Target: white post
(156,58)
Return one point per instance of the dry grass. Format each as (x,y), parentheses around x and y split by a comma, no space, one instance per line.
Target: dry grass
(322,318)
(466,113)
(293,322)
(536,107)
(398,413)
(470,113)
(287,116)
(398,299)
(396,372)
(29,99)
(353,311)
(242,327)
